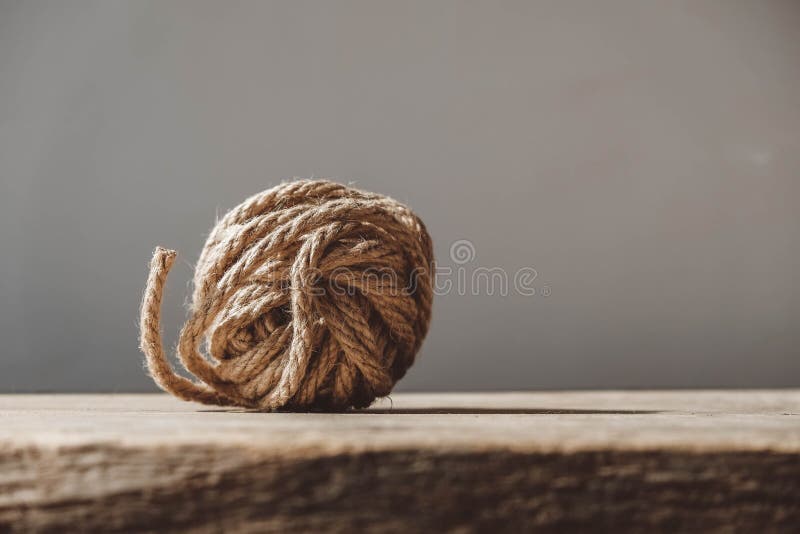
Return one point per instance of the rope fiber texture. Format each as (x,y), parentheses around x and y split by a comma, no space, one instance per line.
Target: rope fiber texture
(308,296)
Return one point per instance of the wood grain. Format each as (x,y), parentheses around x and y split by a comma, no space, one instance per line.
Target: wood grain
(565,461)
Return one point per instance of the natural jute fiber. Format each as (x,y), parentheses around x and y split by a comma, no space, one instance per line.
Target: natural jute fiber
(309,296)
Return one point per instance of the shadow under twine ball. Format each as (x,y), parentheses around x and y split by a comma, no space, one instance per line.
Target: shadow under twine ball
(308,296)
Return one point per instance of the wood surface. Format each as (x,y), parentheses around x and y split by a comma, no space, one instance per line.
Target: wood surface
(726,461)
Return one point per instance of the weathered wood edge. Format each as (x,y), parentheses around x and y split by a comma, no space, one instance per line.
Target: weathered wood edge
(114,488)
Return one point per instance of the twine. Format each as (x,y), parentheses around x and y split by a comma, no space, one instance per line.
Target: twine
(309,296)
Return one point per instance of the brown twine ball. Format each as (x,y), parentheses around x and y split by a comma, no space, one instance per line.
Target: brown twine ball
(309,296)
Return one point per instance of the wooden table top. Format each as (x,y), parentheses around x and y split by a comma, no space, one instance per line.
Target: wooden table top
(546,421)
(565,461)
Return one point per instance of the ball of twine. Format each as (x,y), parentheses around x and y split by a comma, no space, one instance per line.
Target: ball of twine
(308,296)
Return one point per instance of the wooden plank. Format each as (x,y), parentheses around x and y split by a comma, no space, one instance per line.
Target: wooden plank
(665,461)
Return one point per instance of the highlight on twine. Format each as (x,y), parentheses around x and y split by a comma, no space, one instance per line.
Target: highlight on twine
(287,311)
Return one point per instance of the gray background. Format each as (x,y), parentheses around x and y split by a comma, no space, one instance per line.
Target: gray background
(642,156)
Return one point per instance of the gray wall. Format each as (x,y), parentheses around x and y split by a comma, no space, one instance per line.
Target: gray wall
(642,156)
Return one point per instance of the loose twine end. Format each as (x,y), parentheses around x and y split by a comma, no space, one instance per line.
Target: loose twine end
(165,256)
(150,341)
